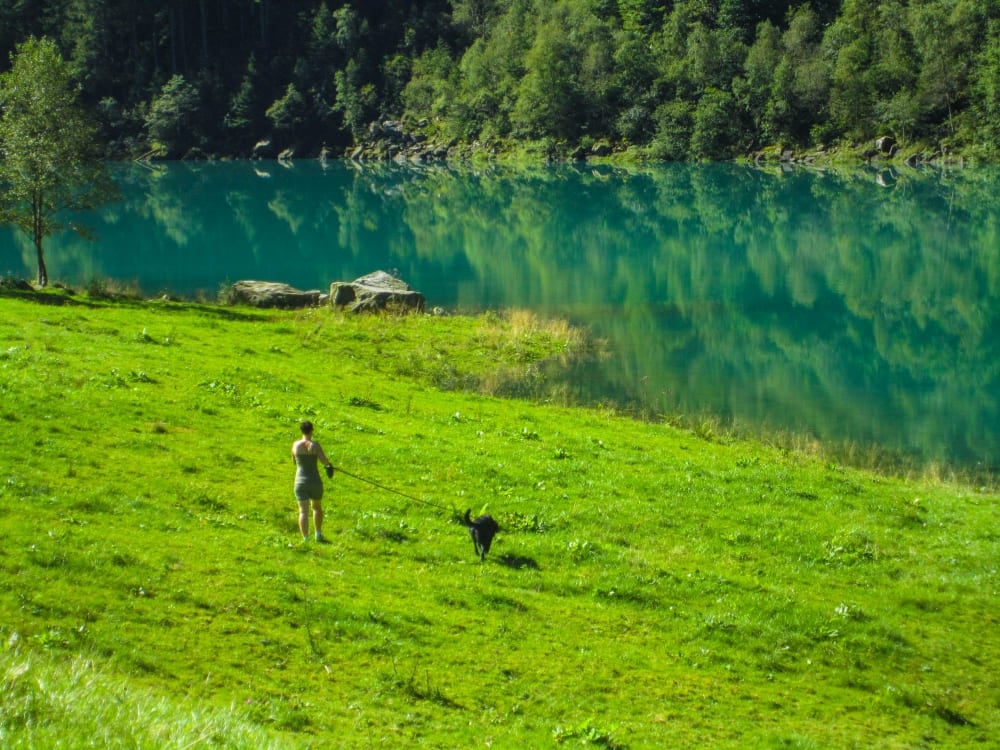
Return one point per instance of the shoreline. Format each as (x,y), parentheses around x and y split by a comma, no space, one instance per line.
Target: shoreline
(872,458)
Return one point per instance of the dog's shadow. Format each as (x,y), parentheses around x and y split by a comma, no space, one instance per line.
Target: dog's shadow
(518,562)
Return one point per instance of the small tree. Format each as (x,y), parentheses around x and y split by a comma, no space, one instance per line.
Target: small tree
(172,121)
(49,159)
(288,114)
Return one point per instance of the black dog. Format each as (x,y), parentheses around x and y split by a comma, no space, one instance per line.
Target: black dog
(482,530)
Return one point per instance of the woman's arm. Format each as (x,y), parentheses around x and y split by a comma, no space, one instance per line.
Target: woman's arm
(323,459)
(319,452)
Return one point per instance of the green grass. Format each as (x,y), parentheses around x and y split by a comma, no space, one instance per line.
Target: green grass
(651,587)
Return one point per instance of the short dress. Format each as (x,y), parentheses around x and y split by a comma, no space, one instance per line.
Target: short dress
(308,483)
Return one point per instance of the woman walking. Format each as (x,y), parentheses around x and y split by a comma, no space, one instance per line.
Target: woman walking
(307,455)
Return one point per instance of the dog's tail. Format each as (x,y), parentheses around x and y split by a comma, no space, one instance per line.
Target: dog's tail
(468,519)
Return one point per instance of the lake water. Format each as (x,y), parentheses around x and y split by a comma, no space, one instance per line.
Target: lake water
(856,307)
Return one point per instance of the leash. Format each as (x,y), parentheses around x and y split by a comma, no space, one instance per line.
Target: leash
(395,492)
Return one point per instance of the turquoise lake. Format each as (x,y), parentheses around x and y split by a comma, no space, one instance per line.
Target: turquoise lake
(855,308)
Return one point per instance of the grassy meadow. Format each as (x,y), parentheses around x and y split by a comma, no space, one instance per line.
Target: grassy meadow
(651,587)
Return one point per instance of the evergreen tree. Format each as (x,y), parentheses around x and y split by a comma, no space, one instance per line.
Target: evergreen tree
(639,72)
(242,120)
(288,113)
(172,121)
(356,99)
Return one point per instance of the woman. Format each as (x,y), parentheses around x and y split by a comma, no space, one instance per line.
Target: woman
(308,454)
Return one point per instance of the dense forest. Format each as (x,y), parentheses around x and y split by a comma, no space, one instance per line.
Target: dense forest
(681,79)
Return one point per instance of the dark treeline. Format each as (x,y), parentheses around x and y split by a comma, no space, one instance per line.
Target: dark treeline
(682,79)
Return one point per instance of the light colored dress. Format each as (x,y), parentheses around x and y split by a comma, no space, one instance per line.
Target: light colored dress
(308,483)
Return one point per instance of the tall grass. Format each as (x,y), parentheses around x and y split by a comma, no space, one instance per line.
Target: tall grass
(73,703)
(653,586)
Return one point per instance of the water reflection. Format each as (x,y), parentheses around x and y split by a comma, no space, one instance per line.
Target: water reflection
(852,306)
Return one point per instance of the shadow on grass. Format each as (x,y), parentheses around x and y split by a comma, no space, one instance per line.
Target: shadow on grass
(518,562)
(59,295)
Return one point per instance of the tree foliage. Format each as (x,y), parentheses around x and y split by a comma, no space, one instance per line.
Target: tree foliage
(172,118)
(688,78)
(48,158)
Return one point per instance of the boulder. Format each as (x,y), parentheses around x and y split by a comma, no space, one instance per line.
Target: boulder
(263,149)
(886,144)
(273,294)
(375,292)
(20,285)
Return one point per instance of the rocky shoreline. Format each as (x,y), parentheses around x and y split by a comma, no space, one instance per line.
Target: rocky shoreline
(393,141)
(375,292)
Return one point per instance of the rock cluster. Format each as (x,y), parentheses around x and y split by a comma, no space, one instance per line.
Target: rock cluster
(390,141)
(598,149)
(372,293)
(882,149)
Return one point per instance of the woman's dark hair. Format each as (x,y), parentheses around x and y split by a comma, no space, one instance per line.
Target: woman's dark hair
(306,427)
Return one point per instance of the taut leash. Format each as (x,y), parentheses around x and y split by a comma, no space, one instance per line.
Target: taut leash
(395,492)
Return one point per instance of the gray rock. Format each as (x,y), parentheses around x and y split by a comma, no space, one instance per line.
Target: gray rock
(375,291)
(262,149)
(390,141)
(886,144)
(273,294)
(19,284)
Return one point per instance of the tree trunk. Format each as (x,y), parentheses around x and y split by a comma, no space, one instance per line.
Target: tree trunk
(265,29)
(43,272)
(203,12)
(37,208)
(182,41)
(172,21)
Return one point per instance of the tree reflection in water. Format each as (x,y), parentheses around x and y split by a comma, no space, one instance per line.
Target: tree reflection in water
(856,306)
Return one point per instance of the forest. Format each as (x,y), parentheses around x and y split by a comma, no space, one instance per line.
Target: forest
(655,79)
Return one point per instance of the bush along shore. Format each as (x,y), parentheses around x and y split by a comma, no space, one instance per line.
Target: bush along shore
(649,587)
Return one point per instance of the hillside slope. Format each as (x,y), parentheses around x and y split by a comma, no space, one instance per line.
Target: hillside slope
(650,587)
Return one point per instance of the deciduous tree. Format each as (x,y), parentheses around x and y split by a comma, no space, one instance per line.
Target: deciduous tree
(986,91)
(49,156)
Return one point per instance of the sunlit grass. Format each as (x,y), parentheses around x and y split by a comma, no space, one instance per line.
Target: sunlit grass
(654,585)
(868,457)
(73,703)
